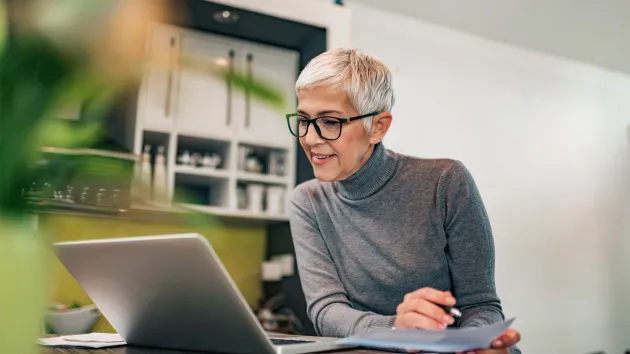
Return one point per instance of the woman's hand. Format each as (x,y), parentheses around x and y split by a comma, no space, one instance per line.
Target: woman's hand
(422,309)
(500,345)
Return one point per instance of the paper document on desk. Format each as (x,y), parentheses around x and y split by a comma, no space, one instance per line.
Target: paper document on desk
(89,340)
(446,341)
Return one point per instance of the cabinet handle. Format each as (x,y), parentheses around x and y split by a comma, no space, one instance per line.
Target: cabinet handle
(228,110)
(250,64)
(169,83)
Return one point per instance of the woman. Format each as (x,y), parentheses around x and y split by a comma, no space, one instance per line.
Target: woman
(383,239)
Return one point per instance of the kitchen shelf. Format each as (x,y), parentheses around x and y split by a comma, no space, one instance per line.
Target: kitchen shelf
(232,213)
(91,152)
(204,190)
(245,142)
(262,178)
(201,171)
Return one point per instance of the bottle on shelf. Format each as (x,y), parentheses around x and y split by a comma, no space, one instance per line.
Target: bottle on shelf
(159,177)
(184,158)
(144,174)
(207,160)
(275,200)
(255,197)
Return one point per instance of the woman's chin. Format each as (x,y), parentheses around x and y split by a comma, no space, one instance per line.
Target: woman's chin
(325,174)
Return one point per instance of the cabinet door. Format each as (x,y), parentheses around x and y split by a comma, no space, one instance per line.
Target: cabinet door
(161,78)
(204,101)
(261,123)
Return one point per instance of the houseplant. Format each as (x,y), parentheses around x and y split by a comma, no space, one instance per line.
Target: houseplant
(62,53)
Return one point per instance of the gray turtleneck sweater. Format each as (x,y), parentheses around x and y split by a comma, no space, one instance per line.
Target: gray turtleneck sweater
(397,225)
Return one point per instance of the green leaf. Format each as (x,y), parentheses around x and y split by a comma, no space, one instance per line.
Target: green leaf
(37,74)
(3,24)
(61,133)
(261,90)
(257,89)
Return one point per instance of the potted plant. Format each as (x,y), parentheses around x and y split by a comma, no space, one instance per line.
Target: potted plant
(59,54)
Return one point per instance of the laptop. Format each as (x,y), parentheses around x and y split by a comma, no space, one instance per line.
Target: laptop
(173,292)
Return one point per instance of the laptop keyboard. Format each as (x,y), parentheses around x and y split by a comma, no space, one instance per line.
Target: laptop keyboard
(277,341)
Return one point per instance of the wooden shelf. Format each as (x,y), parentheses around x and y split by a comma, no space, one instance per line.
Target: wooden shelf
(219,211)
(261,177)
(157,129)
(91,152)
(261,216)
(201,171)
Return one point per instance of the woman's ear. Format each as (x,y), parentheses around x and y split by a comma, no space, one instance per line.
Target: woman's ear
(380,126)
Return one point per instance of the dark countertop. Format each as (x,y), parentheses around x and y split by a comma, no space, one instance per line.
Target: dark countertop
(152,213)
(137,212)
(139,350)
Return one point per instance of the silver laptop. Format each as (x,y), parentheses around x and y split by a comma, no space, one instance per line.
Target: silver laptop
(172,292)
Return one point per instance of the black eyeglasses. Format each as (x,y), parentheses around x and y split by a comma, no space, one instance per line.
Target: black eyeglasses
(328,128)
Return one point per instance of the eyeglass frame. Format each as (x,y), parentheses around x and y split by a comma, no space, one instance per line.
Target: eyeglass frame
(310,121)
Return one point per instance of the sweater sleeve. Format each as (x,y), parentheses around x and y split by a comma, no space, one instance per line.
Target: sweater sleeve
(327,302)
(470,250)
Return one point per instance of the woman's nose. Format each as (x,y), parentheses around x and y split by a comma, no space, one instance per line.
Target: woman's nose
(311,137)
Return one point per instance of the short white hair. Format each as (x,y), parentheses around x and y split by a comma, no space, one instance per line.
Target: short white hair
(364,79)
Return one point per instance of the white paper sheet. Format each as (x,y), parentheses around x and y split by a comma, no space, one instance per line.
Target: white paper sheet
(445,341)
(89,340)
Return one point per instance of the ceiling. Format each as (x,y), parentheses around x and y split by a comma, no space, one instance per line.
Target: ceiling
(592,31)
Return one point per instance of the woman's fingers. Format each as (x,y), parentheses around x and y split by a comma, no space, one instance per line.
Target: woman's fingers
(415,320)
(432,295)
(428,309)
(508,339)
(501,345)
(487,351)
(422,309)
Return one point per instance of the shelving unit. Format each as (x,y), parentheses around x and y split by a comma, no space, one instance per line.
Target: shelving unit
(202,171)
(201,190)
(261,178)
(226,153)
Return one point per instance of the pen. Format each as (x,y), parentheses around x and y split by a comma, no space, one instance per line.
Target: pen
(452,311)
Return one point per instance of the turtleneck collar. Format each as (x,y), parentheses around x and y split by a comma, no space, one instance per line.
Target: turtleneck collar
(372,176)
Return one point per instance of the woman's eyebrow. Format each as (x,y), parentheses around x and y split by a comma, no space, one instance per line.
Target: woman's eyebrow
(320,113)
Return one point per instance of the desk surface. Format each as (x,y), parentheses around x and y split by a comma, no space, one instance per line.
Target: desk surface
(133,350)
(136,350)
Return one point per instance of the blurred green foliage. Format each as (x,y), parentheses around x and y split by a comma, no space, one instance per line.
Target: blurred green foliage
(49,66)
(64,53)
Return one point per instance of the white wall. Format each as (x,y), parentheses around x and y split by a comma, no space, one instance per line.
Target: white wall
(593,31)
(548,143)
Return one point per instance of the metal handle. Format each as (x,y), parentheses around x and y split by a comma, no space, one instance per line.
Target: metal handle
(248,109)
(169,83)
(228,118)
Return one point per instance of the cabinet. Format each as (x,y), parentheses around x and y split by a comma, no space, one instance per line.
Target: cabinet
(157,109)
(204,103)
(263,124)
(232,153)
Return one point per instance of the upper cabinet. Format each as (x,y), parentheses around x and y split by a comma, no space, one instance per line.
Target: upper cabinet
(157,109)
(261,123)
(195,102)
(205,102)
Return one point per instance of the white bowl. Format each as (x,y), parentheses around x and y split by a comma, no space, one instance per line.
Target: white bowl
(73,321)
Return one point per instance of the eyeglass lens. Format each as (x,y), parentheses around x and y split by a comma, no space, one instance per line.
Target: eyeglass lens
(329,128)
